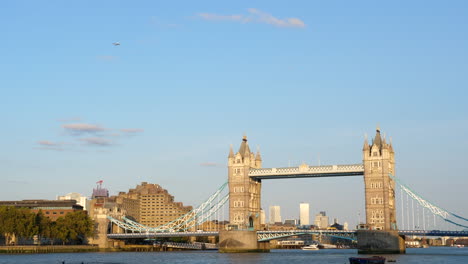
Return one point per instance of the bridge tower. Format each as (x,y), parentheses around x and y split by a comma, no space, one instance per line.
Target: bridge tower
(244,192)
(379,162)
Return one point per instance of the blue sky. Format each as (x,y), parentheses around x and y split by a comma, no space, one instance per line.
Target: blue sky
(303,79)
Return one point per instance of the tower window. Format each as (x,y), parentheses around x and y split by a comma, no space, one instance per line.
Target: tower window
(375,154)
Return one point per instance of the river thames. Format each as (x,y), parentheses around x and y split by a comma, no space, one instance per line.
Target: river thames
(414,255)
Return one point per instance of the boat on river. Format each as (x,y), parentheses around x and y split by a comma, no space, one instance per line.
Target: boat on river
(310,247)
(371,260)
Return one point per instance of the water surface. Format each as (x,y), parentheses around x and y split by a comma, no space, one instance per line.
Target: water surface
(414,255)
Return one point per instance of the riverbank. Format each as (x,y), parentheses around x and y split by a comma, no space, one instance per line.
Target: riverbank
(47,249)
(82,248)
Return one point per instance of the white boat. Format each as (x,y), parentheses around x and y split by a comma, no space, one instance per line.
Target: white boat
(327,246)
(310,247)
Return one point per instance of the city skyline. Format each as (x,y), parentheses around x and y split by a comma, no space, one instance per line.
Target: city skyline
(305,82)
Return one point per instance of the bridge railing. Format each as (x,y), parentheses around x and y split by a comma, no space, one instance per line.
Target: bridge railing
(304,169)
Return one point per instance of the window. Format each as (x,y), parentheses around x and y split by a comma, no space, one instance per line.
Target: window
(239,189)
(375,154)
(238,203)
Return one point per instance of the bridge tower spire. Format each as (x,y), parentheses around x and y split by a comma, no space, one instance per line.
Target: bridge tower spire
(379,162)
(244,192)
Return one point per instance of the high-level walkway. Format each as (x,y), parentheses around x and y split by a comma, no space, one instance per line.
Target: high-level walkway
(306,171)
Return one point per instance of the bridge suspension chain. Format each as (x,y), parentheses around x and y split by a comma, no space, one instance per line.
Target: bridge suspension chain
(444,214)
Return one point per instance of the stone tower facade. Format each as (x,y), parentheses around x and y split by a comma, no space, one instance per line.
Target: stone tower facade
(244,193)
(379,162)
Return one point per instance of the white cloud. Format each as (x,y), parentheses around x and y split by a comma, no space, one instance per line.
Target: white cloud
(132,130)
(48,143)
(80,128)
(86,135)
(96,141)
(257,16)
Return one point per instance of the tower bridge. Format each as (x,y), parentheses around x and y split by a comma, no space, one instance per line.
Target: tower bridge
(245,176)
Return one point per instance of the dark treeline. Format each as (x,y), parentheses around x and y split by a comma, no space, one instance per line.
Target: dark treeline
(72,228)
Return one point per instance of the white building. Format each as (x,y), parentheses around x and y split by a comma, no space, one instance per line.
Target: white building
(262,217)
(321,220)
(80,199)
(304,214)
(275,214)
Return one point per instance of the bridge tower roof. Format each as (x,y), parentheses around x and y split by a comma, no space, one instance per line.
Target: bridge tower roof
(377,141)
(244,149)
(231,152)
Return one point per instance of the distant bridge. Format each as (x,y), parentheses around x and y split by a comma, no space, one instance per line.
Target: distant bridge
(433,233)
(271,235)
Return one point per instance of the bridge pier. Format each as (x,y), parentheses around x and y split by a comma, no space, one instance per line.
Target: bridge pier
(380,242)
(241,241)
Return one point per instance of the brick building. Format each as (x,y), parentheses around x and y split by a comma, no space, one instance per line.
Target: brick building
(150,205)
(50,208)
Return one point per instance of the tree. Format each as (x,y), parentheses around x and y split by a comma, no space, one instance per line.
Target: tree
(74,227)
(17,222)
(21,222)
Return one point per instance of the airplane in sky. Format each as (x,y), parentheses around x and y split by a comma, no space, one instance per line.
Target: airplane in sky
(116,43)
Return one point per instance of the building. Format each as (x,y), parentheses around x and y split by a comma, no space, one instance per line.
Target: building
(336,225)
(262,217)
(291,222)
(99,209)
(304,214)
(244,192)
(80,199)
(53,209)
(151,205)
(321,220)
(99,192)
(275,214)
(379,163)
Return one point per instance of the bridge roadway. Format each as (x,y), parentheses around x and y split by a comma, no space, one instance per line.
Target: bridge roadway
(306,171)
(269,235)
(162,234)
